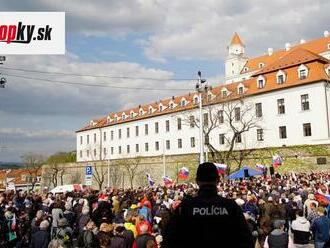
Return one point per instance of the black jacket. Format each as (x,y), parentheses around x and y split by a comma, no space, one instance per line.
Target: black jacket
(207,220)
(40,239)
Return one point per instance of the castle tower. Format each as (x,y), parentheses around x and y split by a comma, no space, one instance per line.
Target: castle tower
(235,60)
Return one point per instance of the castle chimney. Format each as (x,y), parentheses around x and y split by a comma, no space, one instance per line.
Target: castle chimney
(287,46)
(270,51)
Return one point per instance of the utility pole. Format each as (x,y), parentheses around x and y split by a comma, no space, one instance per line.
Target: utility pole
(2,79)
(201,86)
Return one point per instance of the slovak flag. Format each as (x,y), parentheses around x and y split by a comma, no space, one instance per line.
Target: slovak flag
(150,181)
(261,167)
(322,199)
(167,181)
(277,160)
(183,173)
(221,168)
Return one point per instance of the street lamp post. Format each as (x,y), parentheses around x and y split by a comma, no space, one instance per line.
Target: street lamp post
(200,87)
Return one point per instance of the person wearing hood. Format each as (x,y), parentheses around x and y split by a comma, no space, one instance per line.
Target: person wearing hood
(300,229)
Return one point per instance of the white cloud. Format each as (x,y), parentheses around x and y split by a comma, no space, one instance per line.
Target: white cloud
(29,133)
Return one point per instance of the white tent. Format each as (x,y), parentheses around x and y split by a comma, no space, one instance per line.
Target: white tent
(66,188)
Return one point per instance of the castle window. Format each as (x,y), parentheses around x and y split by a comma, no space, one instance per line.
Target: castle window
(132,114)
(280,77)
(196,100)
(183,103)
(224,93)
(245,69)
(123,116)
(141,112)
(328,45)
(261,82)
(261,65)
(160,108)
(241,90)
(150,110)
(171,105)
(302,72)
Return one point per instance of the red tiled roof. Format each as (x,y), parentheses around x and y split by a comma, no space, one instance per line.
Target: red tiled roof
(236,40)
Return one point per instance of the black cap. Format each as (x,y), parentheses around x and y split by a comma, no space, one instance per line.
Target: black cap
(207,172)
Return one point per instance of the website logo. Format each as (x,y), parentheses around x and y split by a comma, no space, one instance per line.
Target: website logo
(32,33)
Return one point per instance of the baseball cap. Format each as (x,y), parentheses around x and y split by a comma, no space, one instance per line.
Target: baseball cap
(207,172)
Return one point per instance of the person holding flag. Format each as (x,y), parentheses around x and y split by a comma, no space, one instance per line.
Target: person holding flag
(150,181)
(183,173)
(221,168)
(277,160)
(167,181)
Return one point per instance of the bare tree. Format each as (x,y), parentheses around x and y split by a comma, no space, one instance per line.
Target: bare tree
(115,174)
(235,116)
(131,167)
(33,163)
(99,174)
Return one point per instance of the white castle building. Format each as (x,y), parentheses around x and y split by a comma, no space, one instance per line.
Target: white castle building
(284,94)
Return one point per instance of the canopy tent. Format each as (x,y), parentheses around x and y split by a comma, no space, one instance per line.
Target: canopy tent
(66,188)
(242,173)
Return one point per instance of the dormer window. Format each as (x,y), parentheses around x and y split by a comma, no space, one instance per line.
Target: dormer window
(141,112)
(115,118)
(183,103)
(196,100)
(245,69)
(241,90)
(171,105)
(261,65)
(160,107)
(224,93)
(302,72)
(108,119)
(328,46)
(123,116)
(150,110)
(261,81)
(280,77)
(132,114)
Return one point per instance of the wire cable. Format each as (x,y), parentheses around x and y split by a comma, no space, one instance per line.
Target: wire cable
(97,76)
(92,85)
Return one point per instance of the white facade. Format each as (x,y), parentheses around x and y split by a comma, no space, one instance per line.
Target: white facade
(293,119)
(292,113)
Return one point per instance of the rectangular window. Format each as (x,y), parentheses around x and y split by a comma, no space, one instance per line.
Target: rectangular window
(119,149)
(94,137)
(111,135)
(156,127)
(94,152)
(238,138)
(127,132)
(206,119)
(240,90)
(222,139)
(220,116)
(304,102)
(111,149)
(87,138)
(167,125)
(280,106)
(146,147)
(282,132)
(280,79)
(260,134)
(104,136)
(81,140)
(258,110)
(137,148)
(119,133)
(179,143)
(88,153)
(136,131)
(260,83)
(128,149)
(168,145)
(81,154)
(192,142)
(237,113)
(192,121)
(179,124)
(104,151)
(146,129)
(302,74)
(307,129)
(157,146)
(207,139)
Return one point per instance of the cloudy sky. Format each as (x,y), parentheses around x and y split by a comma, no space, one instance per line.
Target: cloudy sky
(161,39)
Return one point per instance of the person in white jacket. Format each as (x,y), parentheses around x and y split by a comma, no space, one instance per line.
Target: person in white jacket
(301,230)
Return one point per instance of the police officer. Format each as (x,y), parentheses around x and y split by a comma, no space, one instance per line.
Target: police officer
(207,220)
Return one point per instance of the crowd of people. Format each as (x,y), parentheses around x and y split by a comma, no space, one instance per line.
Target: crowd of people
(288,210)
